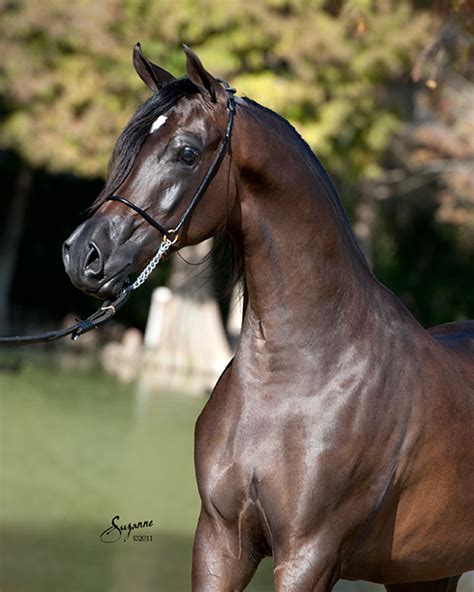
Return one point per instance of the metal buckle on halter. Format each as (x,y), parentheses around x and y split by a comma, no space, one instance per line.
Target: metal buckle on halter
(167,237)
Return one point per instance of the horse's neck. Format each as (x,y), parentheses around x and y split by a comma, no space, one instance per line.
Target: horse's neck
(302,270)
(307,280)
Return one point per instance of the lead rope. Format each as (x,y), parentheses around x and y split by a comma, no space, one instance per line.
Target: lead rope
(100,316)
(110,308)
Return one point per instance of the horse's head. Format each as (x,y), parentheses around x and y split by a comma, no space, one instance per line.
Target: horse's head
(158,165)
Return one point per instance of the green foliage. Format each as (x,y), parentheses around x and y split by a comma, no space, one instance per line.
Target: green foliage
(67,86)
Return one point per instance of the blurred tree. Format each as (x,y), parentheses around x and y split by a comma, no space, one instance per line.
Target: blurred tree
(65,81)
(427,225)
(10,239)
(440,143)
(68,87)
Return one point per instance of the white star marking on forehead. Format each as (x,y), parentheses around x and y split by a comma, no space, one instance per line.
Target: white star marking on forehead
(159,121)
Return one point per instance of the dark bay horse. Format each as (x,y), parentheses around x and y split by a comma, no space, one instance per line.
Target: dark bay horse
(340,439)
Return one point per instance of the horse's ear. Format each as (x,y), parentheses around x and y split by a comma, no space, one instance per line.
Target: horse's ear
(201,77)
(151,74)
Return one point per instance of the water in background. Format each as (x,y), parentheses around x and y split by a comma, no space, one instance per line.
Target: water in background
(77,450)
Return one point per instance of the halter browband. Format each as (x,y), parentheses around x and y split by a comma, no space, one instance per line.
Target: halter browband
(169,238)
(172,233)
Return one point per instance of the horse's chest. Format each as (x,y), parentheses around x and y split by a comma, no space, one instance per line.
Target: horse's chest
(279,462)
(229,467)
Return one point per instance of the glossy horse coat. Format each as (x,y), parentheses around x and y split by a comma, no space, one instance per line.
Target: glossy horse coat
(340,438)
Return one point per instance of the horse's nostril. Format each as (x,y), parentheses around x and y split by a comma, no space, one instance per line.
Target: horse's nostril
(92,255)
(93,262)
(66,247)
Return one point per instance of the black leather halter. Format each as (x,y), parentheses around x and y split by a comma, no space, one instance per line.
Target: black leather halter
(109,308)
(172,233)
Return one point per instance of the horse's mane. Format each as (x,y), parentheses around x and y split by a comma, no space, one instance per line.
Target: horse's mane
(323,175)
(306,148)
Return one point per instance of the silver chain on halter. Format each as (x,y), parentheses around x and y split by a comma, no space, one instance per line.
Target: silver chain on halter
(166,244)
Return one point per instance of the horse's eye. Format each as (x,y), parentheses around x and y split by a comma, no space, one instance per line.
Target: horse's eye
(188,155)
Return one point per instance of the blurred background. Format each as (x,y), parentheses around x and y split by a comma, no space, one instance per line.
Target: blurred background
(382,90)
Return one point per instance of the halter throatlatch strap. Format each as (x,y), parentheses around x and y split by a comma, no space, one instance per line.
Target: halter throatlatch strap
(169,238)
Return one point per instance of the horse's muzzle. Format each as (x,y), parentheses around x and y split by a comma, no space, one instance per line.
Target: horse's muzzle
(92,264)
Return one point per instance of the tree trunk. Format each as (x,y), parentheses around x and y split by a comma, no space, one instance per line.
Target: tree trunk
(10,242)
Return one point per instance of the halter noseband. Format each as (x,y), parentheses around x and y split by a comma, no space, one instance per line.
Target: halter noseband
(172,233)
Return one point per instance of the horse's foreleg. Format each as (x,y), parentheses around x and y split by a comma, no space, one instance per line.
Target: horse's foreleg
(307,570)
(222,562)
(446,585)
